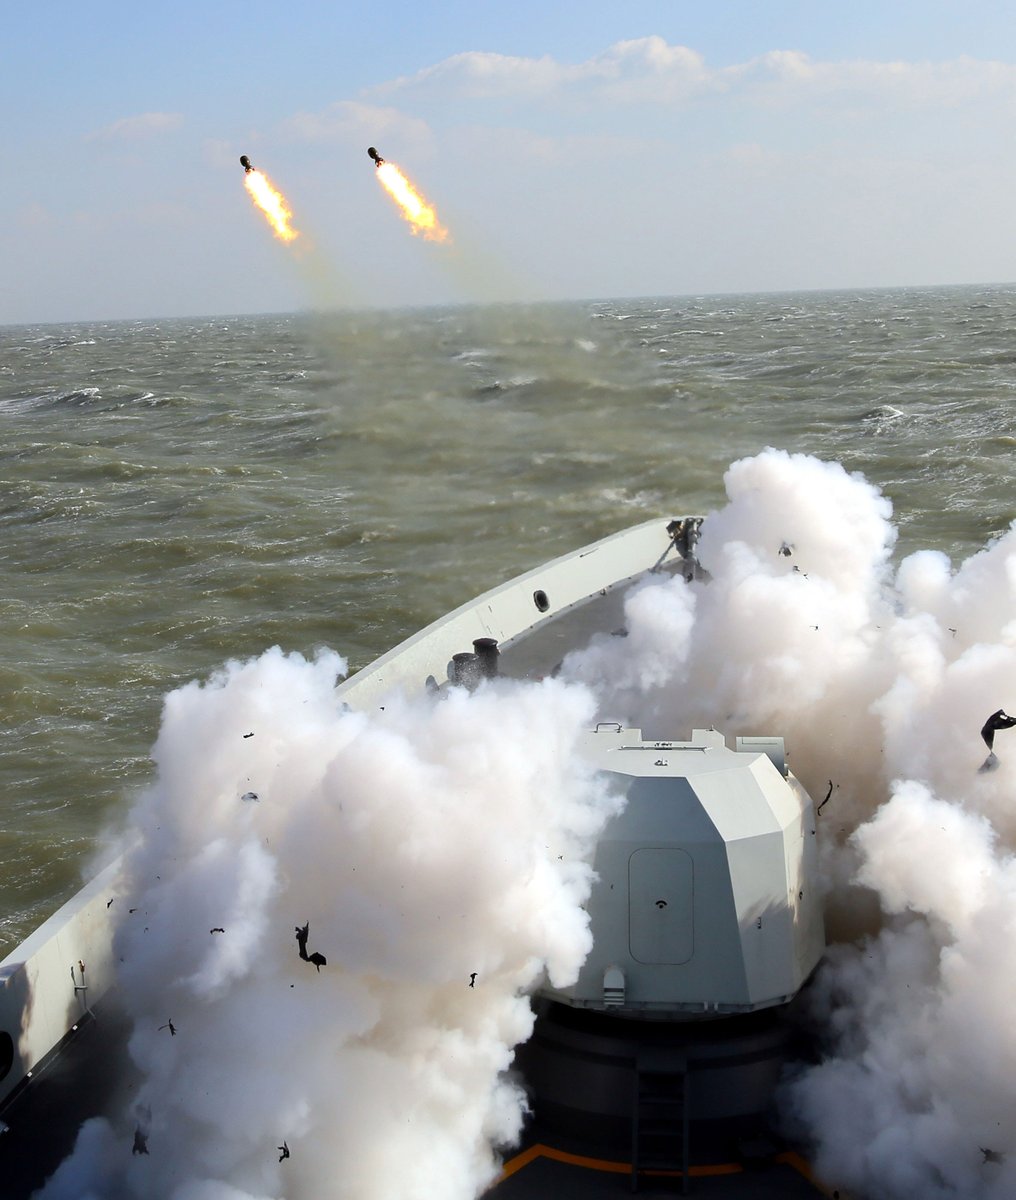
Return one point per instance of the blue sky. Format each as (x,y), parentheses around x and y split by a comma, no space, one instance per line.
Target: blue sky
(573,149)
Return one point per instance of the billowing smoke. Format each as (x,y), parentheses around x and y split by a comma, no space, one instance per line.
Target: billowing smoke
(880,680)
(434,840)
(437,852)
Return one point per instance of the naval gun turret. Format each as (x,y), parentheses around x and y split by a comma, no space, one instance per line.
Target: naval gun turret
(706,916)
(705,901)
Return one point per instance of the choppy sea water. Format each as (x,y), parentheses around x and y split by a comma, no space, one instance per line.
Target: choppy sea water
(174,494)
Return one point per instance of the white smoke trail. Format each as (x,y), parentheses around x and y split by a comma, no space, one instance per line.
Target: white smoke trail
(427,846)
(880,684)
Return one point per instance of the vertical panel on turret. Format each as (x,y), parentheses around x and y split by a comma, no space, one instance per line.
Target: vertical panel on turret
(661,893)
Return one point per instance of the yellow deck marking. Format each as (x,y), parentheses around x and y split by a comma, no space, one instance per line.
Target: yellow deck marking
(603,1164)
(793,1159)
(538,1150)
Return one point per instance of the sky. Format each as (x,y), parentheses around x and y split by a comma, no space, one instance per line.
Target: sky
(575,150)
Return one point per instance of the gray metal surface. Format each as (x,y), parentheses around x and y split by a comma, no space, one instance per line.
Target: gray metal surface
(706,900)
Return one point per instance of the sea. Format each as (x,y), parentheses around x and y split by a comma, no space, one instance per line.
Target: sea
(176,494)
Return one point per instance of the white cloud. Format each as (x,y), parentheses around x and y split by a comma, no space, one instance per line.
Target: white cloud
(753,155)
(788,75)
(625,65)
(35,216)
(354,121)
(481,73)
(352,118)
(649,70)
(144,125)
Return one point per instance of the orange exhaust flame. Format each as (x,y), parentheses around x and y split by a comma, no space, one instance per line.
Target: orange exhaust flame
(421,216)
(271,203)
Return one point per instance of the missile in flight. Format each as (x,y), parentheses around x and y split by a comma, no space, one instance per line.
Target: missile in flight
(378,160)
(246,164)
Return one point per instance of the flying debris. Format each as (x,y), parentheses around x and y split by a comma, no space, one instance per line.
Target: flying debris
(283,1151)
(246,163)
(217,929)
(302,933)
(378,160)
(991,1156)
(140,1142)
(472,979)
(826,800)
(997,720)
(170,1026)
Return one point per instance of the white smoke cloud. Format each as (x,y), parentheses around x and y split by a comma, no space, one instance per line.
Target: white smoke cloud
(880,682)
(422,845)
(425,845)
(914,1096)
(786,637)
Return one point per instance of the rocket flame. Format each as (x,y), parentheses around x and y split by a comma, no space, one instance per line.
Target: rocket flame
(272,204)
(420,215)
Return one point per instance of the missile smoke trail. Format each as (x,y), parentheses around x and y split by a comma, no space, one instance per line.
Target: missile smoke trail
(271,202)
(328,287)
(413,207)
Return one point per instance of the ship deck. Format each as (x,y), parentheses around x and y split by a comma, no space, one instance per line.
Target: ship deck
(83,1079)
